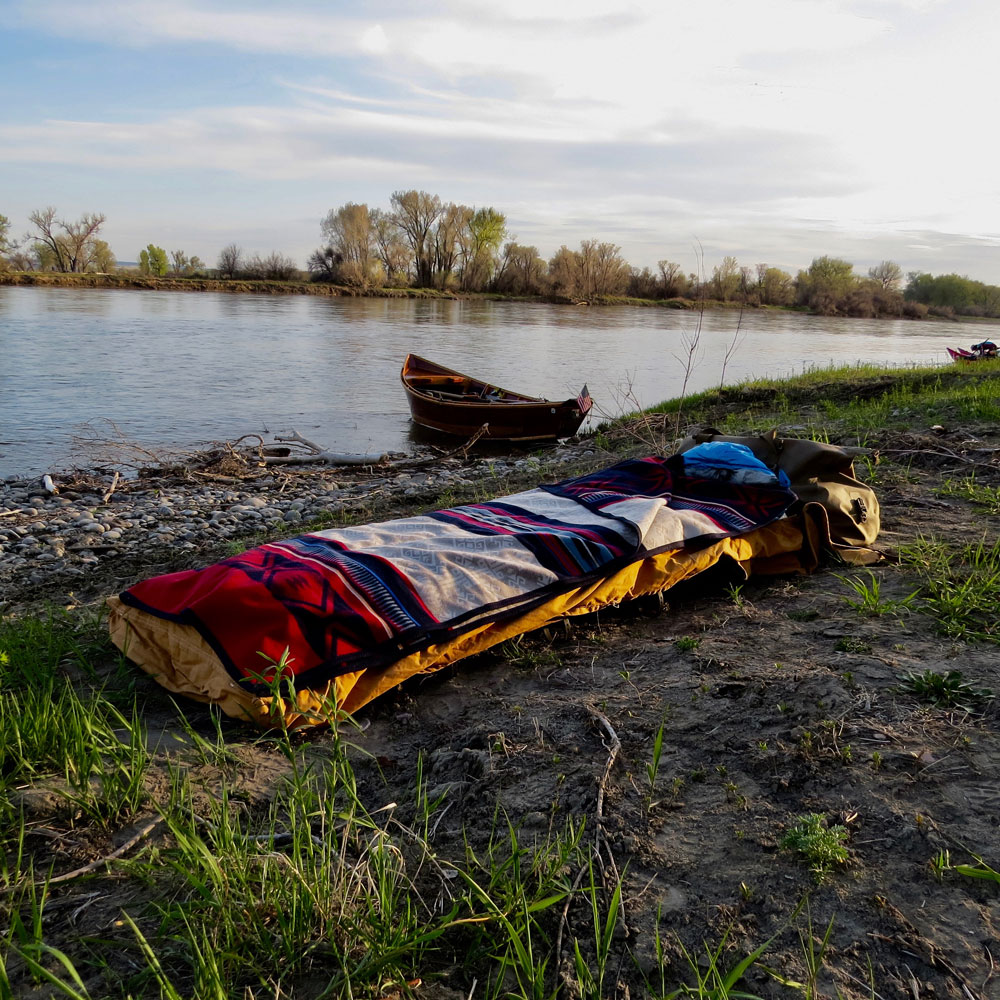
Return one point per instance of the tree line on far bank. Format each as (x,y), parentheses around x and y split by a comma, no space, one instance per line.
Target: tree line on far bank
(421,241)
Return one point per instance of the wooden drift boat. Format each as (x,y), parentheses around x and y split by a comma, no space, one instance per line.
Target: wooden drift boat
(449,401)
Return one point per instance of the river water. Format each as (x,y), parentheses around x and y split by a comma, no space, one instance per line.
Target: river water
(185,369)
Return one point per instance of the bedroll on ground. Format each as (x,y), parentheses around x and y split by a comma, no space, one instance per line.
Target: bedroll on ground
(293,631)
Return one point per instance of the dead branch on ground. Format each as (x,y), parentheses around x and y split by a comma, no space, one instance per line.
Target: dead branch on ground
(302,451)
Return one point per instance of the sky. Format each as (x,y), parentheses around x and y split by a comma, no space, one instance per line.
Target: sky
(774,131)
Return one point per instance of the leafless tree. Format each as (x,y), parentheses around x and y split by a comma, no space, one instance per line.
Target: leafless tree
(415,212)
(349,234)
(273,267)
(390,246)
(230,261)
(564,273)
(450,242)
(605,269)
(672,279)
(324,264)
(81,239)
(76,248)
(44,221)
(520,270)
(593,270)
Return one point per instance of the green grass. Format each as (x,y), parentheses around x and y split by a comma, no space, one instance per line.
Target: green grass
(959,586)
(235,900)
(843,402)
(987,498)
(68,720)
(868,600)
(941,863)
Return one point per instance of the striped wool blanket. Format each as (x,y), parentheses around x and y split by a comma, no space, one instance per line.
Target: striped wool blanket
(331,602)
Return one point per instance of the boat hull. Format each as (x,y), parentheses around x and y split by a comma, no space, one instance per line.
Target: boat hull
(509,416)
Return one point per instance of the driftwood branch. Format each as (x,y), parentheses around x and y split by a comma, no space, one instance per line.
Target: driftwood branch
(315,454)
(111,488)
(323,458)
(485,429)
(441,453)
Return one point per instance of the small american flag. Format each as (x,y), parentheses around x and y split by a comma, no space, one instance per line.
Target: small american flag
(583,401)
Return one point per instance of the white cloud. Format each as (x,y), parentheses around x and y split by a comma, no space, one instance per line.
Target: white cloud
(374,40)
(641,117)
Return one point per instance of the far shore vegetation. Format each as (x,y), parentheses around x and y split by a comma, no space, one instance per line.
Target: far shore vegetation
(422,246)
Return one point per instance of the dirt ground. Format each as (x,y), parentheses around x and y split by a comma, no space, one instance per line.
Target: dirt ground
(777,700)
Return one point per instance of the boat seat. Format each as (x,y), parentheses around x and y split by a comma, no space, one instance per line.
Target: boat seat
(460,396)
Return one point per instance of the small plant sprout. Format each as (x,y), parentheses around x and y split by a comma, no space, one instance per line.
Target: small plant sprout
(948,690)
(653,767)
(941,863)
(851,644)
(735,594)
(687,643)
(822,846)
(868,600)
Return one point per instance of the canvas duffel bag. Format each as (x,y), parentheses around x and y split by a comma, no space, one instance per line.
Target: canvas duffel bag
(818,473)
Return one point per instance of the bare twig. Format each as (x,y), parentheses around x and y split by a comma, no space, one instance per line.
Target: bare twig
(111,488)
(117,853)
(691,344)
(104,443)
(738,338)
(475,437)
(941,453)
(614,744)
(316,454)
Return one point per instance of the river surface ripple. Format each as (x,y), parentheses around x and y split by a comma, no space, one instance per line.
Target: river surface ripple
(185,369)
